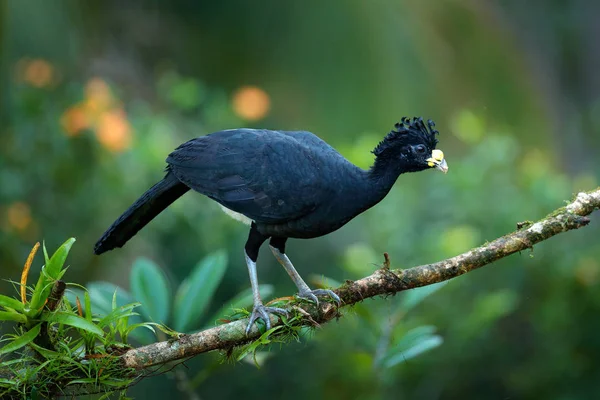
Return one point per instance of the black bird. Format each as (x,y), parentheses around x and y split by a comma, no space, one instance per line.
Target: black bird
(284,184)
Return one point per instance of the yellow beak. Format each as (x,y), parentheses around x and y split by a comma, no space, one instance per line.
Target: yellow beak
(437,160)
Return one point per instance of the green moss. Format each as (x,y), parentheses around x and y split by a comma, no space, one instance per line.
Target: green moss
(524,224)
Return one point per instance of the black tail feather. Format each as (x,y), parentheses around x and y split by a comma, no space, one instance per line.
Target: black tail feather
(148,206)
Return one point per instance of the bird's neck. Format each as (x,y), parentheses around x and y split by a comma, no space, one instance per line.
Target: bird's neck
(372,185)
(381,177)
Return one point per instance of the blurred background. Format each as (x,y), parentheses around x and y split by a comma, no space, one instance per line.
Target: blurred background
(94,95)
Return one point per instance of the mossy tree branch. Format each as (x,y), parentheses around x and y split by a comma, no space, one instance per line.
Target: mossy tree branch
(383,281)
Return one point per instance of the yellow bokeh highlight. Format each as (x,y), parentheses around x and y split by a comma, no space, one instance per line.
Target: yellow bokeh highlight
(458,239)
(18,216)
(359,258)
(467,126)
(98,97)
(114,131)
(251,103)
(535,164)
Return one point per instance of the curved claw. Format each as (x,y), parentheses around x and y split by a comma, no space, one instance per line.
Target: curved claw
(312,295)
(262,312)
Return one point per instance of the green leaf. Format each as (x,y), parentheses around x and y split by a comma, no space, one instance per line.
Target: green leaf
(9,302)
(101,294)
(49,273)
(118,313)
(149,286)
(87,302)
(149,333)
(424,345)
(49,354)
(12,316)
(195,292)
(414,297)
(22,340)
(60,317)
(413,343)
(55,265)
(263,340)
(241,300)
(46,258)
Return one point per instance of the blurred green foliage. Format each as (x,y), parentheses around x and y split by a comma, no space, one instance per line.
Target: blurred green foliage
(95,95)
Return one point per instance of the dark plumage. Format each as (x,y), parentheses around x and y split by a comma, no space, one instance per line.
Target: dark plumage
(290,184)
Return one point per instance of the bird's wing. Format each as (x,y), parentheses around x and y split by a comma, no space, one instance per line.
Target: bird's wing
(313,141)
(268,176)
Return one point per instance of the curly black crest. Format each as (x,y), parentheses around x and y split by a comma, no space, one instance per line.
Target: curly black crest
(408,131)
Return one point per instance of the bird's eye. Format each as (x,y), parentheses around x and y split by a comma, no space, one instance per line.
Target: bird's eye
(420,149)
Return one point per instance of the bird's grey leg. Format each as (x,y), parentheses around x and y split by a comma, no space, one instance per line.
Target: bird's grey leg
(304,292)
(255,239)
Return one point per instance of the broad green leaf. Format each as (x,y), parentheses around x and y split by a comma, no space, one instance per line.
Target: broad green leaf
(425,344)
(55,265)
(12,316)
(414,334)
(414,297)
(49,273)
(149,286)
(241,300)
(9,302)
(195,292)
(73,320)
(413,343)
(22,340)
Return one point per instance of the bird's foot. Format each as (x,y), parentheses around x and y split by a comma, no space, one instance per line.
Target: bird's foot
(311,295)
(262,312)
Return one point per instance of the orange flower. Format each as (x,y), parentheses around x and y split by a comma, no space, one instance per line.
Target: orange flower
(98,97)
(251,103)
(74,120)
(19,216)
(113,130)
(38,73)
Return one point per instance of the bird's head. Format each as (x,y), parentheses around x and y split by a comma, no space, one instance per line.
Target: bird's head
(411,147)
